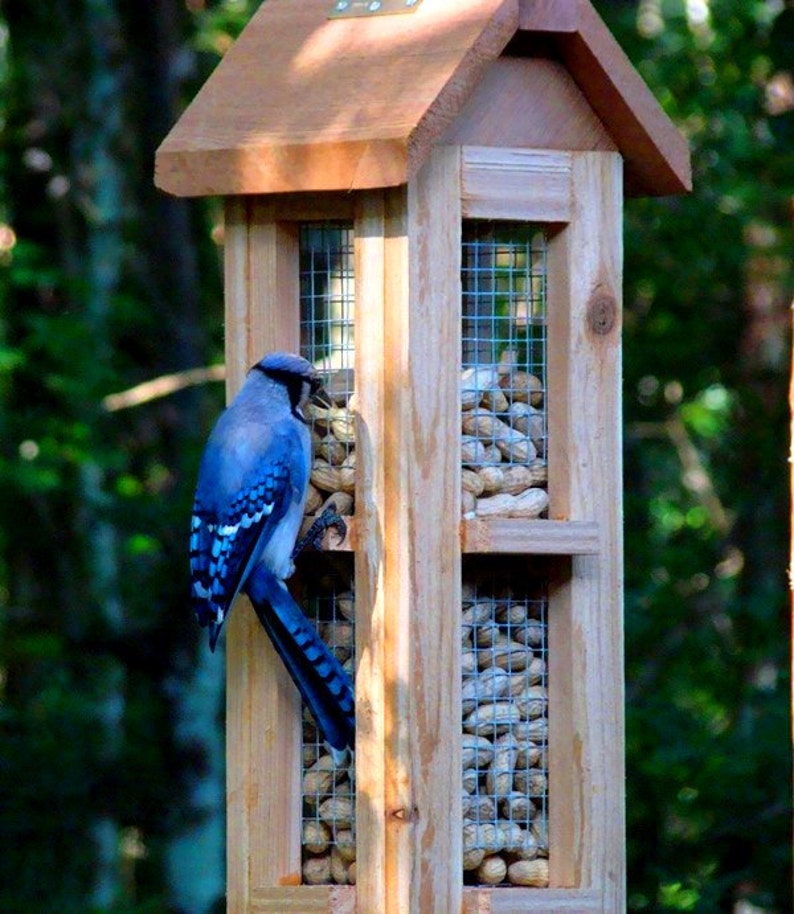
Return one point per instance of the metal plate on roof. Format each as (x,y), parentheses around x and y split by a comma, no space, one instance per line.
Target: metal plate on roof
(343,9)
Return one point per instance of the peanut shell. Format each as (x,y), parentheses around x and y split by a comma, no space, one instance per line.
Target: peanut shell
(338,868)
(522,386)
(315,836)
(499,777)
(318,780)
(346,844)
(325,477)
(472,482)
(472,450)
(492,870)
(317,870)
(337,811)
(529,872)
(498,717)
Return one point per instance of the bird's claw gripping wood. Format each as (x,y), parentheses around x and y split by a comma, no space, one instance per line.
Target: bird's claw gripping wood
(314,535)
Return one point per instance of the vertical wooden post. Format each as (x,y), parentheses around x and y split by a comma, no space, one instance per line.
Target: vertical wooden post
(408,559)
(371,607)
(585,473)
(262,705)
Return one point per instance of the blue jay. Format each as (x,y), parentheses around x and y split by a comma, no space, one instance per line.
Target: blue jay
(249,503)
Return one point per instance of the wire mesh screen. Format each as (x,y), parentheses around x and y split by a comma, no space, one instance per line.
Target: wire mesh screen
(328,790)
(505,724)
(327,297)
(503,382)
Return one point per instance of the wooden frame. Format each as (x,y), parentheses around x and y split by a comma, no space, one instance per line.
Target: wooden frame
(263,708)
(407,250)
(494,109)
(586,635)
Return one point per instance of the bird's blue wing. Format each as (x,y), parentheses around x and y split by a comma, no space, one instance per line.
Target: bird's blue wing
(227,531)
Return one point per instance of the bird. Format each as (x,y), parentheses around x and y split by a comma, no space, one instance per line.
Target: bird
(252,483)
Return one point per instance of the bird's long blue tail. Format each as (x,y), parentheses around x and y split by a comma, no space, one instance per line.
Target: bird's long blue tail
(323,683)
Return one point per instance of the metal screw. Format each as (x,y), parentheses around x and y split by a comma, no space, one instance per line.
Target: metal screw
(342,5)
(410,3)
(374,6)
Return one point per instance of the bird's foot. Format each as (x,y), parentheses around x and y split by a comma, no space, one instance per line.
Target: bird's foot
(314,535)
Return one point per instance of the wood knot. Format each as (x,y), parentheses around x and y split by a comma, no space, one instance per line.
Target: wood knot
(602,314)
(406,815)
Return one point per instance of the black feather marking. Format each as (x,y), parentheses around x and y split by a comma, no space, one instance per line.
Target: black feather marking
(221,545)
(320,678)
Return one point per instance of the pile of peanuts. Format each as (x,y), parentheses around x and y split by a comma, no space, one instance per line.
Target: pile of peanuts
(328,839)
(504,759)
(503,446)
(503,442)
(505,734)
(328,791)
(504,713)
(333,474)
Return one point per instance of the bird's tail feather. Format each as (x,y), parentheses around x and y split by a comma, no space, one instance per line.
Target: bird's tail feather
(318,675)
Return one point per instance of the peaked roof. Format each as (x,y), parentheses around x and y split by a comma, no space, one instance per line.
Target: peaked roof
(302,102)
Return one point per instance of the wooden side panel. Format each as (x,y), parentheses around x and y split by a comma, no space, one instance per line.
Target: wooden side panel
(531,103)
(431,457)
(550,15)
(421,542)
(586,631)
(529,537)
(531,901)
(304,899)
(372,610)
(263,709)
(656,153)
(530,184)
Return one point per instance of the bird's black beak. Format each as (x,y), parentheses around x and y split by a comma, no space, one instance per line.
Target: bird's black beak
(214,632)
(318,394)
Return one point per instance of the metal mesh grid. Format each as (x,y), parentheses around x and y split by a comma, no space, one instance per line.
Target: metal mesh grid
(503,382)
(505,724)
(327,296)
(328,790)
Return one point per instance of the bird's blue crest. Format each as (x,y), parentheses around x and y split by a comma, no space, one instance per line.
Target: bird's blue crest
(286,363)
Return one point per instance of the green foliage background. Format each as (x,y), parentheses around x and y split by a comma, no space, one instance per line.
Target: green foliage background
(105,283)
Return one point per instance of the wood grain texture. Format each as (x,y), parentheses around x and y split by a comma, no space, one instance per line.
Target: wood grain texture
(301,102)
(656,153)
(536,537)
(504,900)
(304,899)
(549,15)
(240,625)
(529,103)
(422,572)
(372,683)
(586,616)
(433,483)
(263,707)
(508,183)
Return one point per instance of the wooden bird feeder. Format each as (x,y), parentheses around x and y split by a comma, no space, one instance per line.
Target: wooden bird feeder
(425,198)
